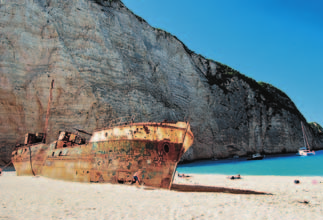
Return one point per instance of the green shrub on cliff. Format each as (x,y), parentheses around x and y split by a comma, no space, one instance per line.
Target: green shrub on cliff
(316,127)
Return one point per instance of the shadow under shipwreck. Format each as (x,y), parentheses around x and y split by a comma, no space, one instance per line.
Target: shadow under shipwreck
(201,188)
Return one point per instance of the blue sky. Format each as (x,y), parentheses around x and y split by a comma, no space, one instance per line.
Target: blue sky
(275,41)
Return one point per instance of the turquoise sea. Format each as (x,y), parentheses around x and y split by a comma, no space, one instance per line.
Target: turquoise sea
(282,165)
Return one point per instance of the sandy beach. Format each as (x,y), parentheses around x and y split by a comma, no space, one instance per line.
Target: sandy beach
(25,197)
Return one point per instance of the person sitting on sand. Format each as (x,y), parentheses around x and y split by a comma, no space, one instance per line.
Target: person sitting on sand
(135,178)
(0,171)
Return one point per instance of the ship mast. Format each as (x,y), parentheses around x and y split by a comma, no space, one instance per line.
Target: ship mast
(305,138)
(48,110)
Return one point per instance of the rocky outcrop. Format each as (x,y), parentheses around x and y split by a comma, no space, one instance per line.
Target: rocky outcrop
(107,63)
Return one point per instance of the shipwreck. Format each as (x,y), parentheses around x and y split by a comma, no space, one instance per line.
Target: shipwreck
(112,154)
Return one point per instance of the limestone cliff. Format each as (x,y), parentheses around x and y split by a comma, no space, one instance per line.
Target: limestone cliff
(107,63)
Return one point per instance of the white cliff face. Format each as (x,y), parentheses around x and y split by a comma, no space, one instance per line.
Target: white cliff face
(108,63)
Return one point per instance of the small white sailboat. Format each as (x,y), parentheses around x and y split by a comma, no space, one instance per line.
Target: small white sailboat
(305,151)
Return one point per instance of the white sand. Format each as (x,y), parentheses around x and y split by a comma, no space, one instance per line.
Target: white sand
(42,198)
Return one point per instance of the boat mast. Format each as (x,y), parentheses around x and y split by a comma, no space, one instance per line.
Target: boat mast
(48,109)
(305,138)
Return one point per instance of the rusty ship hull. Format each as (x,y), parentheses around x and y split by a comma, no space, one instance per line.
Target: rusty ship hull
(112,155)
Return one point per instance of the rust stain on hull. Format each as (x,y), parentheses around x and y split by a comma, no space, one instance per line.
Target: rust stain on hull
(112,155)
